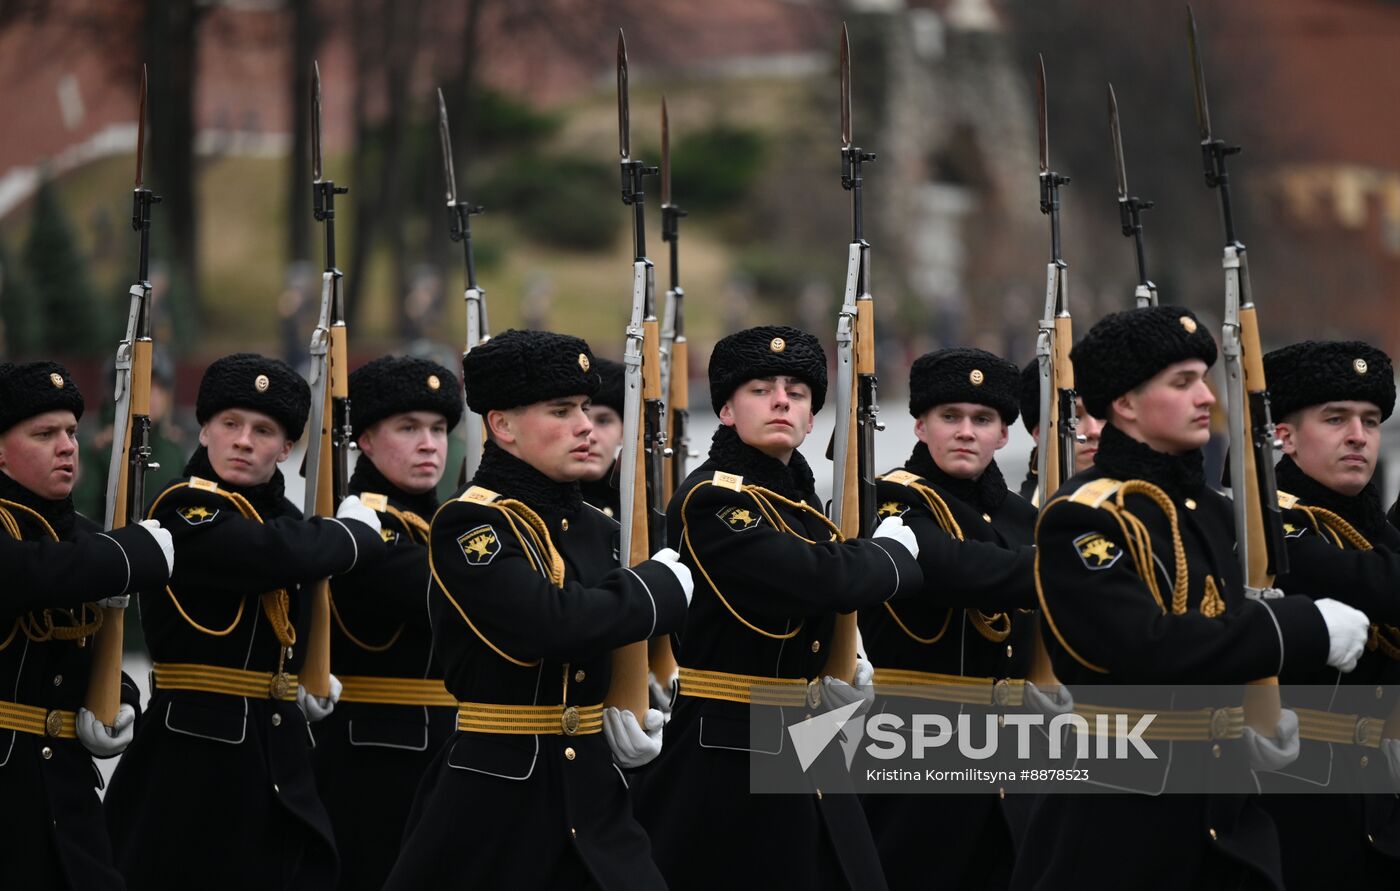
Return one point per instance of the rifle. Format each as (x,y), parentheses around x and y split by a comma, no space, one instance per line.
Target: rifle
(327,469)
(1059,422)
(1130,208)
(857,409)
(643,436)
(459,228)
(131,435)
(1259,540)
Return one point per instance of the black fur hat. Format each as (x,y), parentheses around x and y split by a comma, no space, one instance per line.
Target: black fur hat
(393,384)
(767,351)
(1317,371)
(611,393)
(1030,394)
(965,374)
(1125,349)
(518,368)
(257,383)
(32,388)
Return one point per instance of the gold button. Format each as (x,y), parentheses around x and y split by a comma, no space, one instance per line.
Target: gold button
(564,524)
(819,795)
(57,380)
(570,754)
(46,752)
(261,383)
(1213,836)
(1002,791)
(1365,761)
(573,833)
(816,646)
(58,680)
(987,517)
(276,790)
(433,382)
(579,676)
(1359,365)
(1370,839)
(976,377)
(1190,504)
(583,361)
(777,344)
(1008,651)
(1215,750)
(1188,323)
(276,720)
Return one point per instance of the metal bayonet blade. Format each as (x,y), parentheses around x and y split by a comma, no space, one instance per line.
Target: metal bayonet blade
(845,87)
(1198,74)
(665,154)
(1042,115)
(445,133)
(141,131)
(1120,169)
(624,129)
(315,122)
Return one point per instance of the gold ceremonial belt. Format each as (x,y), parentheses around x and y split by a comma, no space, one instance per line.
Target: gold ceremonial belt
(569,720)
(38,721)
(394,691)
(949,687)
(1168,725)
(228,681)
(749,689)
(1331,727)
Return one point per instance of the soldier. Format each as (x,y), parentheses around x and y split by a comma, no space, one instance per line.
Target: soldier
(1331,399)
(776,574)
(1144,372)
(59,569)
(218,786)
(528,602)
(600,483)
(394,712)
(1089,428)
(969,630)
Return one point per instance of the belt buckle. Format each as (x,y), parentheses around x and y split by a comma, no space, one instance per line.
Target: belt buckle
(1363,724)
(1219,723)
(53,723)
(1001,693)
(281,685)
(814,693)
(569,720)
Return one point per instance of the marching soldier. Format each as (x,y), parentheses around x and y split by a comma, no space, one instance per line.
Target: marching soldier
(59,568)
(218,787)
(969,632)
(776,574)
(1184,620)
(600,483)
(528,602)
(1089,429)
(394,713)
(1331,399)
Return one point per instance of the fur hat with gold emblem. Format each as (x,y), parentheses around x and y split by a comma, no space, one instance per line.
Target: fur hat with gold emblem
(965,374)
(518,368)
(1125,349)
(391,385)
(767,351)
(1317,371)
(32,388)
(256,383)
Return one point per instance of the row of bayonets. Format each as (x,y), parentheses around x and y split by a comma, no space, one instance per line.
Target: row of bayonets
(655,442)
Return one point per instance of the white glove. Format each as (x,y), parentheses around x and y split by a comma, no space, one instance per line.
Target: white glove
(893,527)
(104,741)
(1276,752)
(1390,748)
(1047,703)
(668,558)
(352,508)
(1347,629)
(662,695)
(631,745)
(836,692)
(167,550)
(317,707)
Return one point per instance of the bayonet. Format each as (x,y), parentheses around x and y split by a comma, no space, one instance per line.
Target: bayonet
(845,87)
(445,135)
(674,350)
(624,123)
(1198,78)
(1130,207)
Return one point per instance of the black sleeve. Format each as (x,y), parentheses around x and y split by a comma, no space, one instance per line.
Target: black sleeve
(487,574)
(95,565)
(1366,580)
(970,574)
(393,588)
(762,570)
(1106,619)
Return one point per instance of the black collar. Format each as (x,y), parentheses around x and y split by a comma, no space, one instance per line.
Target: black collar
(1123,458)
(367,478)
(984,494)
(1362,510)
(506,474)
(792,480)
(60,514)
(267,499)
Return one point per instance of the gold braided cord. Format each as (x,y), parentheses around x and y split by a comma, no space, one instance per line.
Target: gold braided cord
(416,527)
(995,627)
(40,627)
(11,524)
(763,506)
(411,521)
(1383,639)
(1182,577)
(1212,604)
(442,586)
(539,533)
(1323,519)
(767,496)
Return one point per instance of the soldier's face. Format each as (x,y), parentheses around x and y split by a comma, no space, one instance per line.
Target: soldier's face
(244,446)
(1171,412)
(1335,443)
(551,436)
(962,437)
(41,454)
(409,448)
(603,444)
(772,414)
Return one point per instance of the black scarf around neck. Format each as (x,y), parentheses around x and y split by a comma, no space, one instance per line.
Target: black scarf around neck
(792,480)
(1123,458)
(367,478)
(267,499)
(60,514)
(502,472)
(1363,510)
(985,494)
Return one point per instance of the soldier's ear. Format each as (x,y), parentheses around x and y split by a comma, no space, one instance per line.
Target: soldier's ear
(203,435)
(726,413)
(287,446)
(498,423)
(1284,431)
(1005,436)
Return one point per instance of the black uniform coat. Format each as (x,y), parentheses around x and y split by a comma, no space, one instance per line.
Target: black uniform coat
(369,757)
(1102,625)
(53,834)
(990,570)
(1333,839)
(529,811)
(603,493)
(707,829)
(217,790)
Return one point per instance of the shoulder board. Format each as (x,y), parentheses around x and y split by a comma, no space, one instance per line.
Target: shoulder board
(375,501)
(901,477)
(203,484)
(1287,501)
(479,495)
(728,481)
(1095,493)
